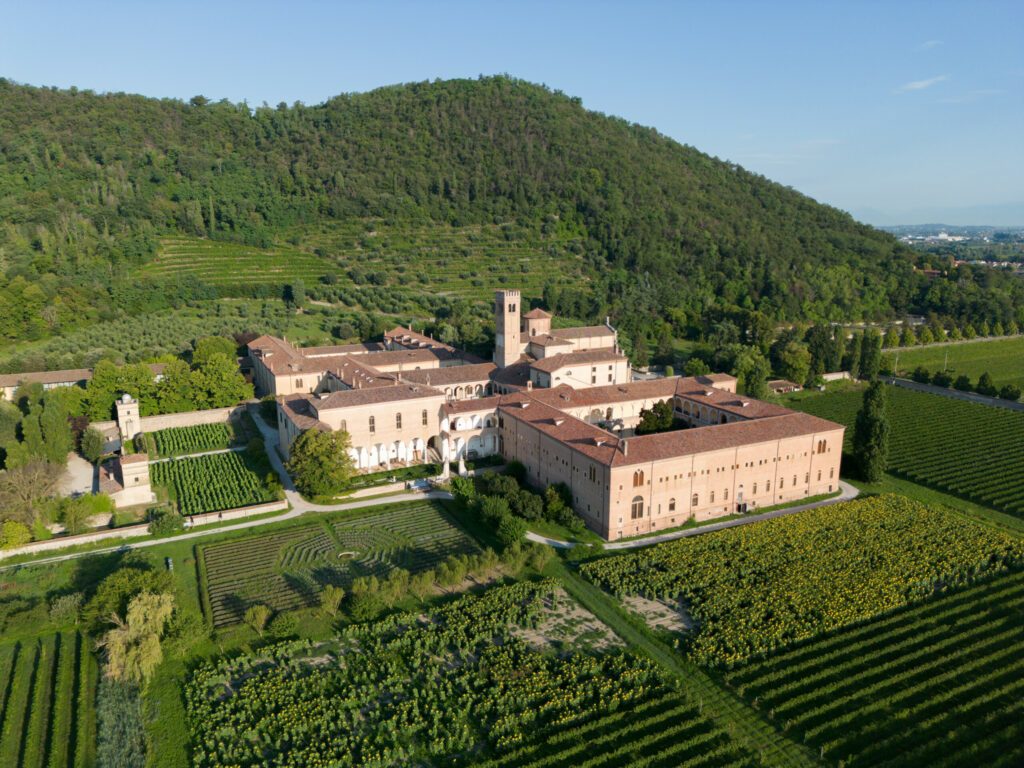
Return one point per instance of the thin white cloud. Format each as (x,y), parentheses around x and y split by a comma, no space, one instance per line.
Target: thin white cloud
(920,85)
(928,44)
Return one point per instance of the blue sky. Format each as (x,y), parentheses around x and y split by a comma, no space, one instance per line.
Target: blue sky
(896,111)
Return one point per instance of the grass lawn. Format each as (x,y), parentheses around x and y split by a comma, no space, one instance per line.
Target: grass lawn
(554,530)
(1002,358)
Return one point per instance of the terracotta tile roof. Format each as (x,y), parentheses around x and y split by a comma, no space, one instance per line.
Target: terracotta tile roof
(408,337)
(776,384)
(549,340)
(46,377)
(342,349)
(355,397)
(134,458)
(577,434)
(353,373)
(474,404)
(566,397)
(583,331)
(686,442)
(411,356)
(70,376)
(516,375)
(740,405)
(537,314)
(453,374)
(300,412)
(583,357)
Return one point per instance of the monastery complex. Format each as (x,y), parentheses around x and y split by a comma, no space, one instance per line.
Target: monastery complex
(561,402)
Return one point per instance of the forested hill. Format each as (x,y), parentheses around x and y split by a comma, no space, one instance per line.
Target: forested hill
(666,234)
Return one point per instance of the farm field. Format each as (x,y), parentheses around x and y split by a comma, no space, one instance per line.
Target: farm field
(210,483)
(966,449)
(1002,358)
(288,568)
(46,707)
(758,588)
(179,441)
(468,262)
(477,682)
(938,684)
(225,264)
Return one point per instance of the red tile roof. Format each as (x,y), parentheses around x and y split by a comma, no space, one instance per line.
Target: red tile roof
(453,374)
(583,357)
(537,314)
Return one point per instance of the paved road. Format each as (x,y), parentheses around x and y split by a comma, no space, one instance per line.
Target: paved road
(847,492)
(956,394)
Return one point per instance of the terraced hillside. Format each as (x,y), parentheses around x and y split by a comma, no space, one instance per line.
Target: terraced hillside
(970,450)
(288,568)
(465,262)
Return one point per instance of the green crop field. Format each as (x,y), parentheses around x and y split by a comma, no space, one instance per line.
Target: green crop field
(970,450)
(47,686)
(180,441)
(220,263)
(287,569)
(468,262)
(1002,358)
(474,682)
(210,483)
(935,685)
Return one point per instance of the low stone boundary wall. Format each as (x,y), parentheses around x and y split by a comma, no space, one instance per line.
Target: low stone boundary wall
(142,529)
(186,419)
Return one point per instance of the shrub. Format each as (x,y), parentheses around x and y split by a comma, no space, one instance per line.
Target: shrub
(283,626)
(963,383)
(14,534)
(986,386)
(942,379)
(164,522)
(1010,392)
(921,375)
(365,601)
(257,617)
(517,470)
(511,530)
(64,609)
(493,509)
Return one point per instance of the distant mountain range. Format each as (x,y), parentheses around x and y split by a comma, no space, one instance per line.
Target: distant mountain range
(1002,216)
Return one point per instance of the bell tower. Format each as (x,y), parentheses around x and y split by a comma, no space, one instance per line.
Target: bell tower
(507,348)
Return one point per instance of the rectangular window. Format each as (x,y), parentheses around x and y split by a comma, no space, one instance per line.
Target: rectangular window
(398,421)
(373,425)
(711,500)
(694,500)
(424,417)
(755,489)
(298,383)
(726,494)
(767,486)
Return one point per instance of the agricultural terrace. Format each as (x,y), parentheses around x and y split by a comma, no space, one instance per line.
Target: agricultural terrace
(230,265)
(757,588)
(1002,358)
(966,449)
(288,568)
(180,441)
(47,692)
(211,483)
(936,685)
(462,686)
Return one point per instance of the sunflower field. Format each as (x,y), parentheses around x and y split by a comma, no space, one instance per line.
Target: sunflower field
(757,588)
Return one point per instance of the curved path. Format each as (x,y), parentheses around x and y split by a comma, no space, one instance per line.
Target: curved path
(299,507)
(846,493)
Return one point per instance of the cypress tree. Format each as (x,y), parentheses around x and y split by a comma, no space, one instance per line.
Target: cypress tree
(871,434)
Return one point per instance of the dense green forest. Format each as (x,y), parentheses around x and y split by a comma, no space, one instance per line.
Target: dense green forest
(664,239)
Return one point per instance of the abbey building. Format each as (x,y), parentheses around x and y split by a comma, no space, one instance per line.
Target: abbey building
(562,402)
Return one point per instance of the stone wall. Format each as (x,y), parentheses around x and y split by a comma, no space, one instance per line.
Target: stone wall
(186,419)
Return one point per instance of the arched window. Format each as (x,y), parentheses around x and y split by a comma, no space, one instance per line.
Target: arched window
(608,414)
(424,417)
(638,478)
(398,421)
(636,509)
(694,500)
(373,425)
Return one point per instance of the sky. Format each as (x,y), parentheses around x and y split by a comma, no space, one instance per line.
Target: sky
(897,111)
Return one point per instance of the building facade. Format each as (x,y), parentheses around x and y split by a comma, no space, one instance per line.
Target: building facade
(561,402)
